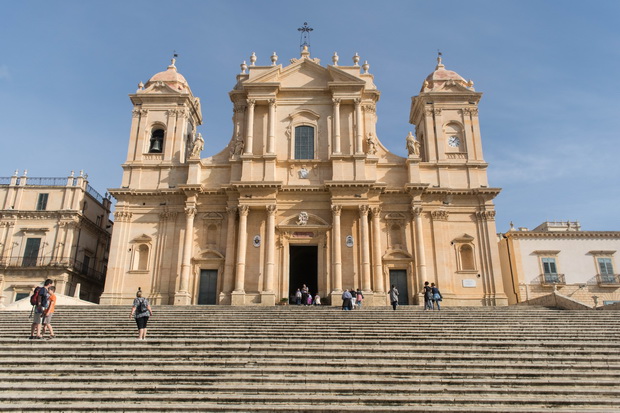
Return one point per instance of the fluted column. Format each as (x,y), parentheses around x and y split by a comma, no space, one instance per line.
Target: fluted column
(365,248)
(376,249)
(229,261)
(249,129)
(419,242)
(271,247)
(190,213)
(358,127)
(242,241)
(336,248)
(336,132)
(271,133)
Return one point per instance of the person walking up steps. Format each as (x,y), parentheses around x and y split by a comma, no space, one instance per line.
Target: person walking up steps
(394,297)
(47,313)
(141,310)
(436,296)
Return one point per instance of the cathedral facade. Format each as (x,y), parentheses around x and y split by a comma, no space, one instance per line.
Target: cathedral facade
(304,193)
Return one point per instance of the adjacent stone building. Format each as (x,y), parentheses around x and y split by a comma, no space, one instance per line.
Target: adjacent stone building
(560,255)
(56,228)
(304,193)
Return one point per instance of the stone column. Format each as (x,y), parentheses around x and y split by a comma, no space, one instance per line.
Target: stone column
(336,249)
(249,129)
(419,242)
(271,133)
(336,134)
(376,249)
(182,297)
(229,261)
(358,127)
(268,296)
(365,244)
(242,241)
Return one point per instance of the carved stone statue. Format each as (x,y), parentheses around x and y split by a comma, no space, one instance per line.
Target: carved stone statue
(237,148)
(303,218)
(197,146)
(413,145)
(303,172)
(372,145)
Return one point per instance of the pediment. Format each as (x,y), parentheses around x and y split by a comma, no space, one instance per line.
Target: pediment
(338,75)
(303,220)
(463,238)
(142,239)
(209,254)
(304,74)
(159,88)
(397,254)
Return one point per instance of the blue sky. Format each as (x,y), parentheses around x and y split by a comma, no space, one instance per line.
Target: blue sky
(548,70)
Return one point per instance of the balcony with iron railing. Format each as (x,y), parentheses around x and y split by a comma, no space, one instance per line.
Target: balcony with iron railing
(21,262)
(552,279)
(608,280)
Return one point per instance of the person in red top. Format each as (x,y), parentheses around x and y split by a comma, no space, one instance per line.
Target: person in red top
(47,314)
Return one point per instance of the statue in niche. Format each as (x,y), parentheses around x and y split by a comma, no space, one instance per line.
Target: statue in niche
(413,145)
(372,145)
(303,172)
(197,146)
(303,218)
(237,148)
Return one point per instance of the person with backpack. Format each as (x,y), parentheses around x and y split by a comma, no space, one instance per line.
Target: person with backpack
(40,301)
(48,312)
(359,297)
(141,311)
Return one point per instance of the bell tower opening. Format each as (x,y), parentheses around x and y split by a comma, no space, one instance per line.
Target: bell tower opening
(303,269)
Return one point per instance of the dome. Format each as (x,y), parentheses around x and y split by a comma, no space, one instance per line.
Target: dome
(171,77)
(440,77)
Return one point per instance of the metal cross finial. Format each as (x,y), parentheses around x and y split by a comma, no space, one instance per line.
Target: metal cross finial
(305,35)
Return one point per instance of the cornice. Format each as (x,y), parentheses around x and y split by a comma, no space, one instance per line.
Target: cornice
(562,235)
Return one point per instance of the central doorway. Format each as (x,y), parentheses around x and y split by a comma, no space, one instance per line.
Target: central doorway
(303,266)
(398,278)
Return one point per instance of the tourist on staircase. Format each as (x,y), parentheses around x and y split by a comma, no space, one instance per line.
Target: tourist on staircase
(436,296)
(394,296)
(141,310)
(428,297)
(48,312)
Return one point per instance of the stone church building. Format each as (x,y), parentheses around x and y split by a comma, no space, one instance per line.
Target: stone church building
(304,193)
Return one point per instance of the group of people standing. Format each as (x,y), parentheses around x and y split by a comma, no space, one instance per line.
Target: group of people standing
(352,299)
(432,297)
(303,296)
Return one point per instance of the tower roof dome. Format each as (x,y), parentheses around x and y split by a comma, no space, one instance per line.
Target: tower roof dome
(440,76)
(171,77)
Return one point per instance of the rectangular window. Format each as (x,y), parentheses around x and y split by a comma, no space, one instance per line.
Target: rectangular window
(42,202)
(550,270)
(606,270)
(98,223)
(31,253)
(85,264)
(304,142)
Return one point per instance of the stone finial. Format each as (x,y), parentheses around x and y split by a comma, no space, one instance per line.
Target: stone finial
(335,59)
(16,172)
(244,67)
(274,59)
(81,172)
(172,62)
(140,86)
(305,53)
(253,59)
(356,59)
(72,174)
(25,172)
(439,64)
(365,66)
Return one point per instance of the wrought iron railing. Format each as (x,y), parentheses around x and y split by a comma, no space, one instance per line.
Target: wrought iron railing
(552,279)
(34,181)
(92,192)
(5,180)
(47,261)
(608,279)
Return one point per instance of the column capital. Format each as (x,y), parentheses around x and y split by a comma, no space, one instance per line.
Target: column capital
(190,211)
(232,210)
(440,215)
(271,209)
(416,210)
(272,102)
(486,215)
(376,211)
(364,210)
(358,102)
(251,103)
(244,210)
(336,210)
(336,101)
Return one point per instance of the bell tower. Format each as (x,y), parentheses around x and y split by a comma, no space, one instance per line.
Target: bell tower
(165,117)
(445,115)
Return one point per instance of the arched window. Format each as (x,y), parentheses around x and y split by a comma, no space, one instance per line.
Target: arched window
(304,142)
(143,257)
(467,258)
(156,144)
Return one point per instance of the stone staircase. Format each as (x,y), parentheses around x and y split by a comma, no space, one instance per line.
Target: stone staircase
(292,359)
